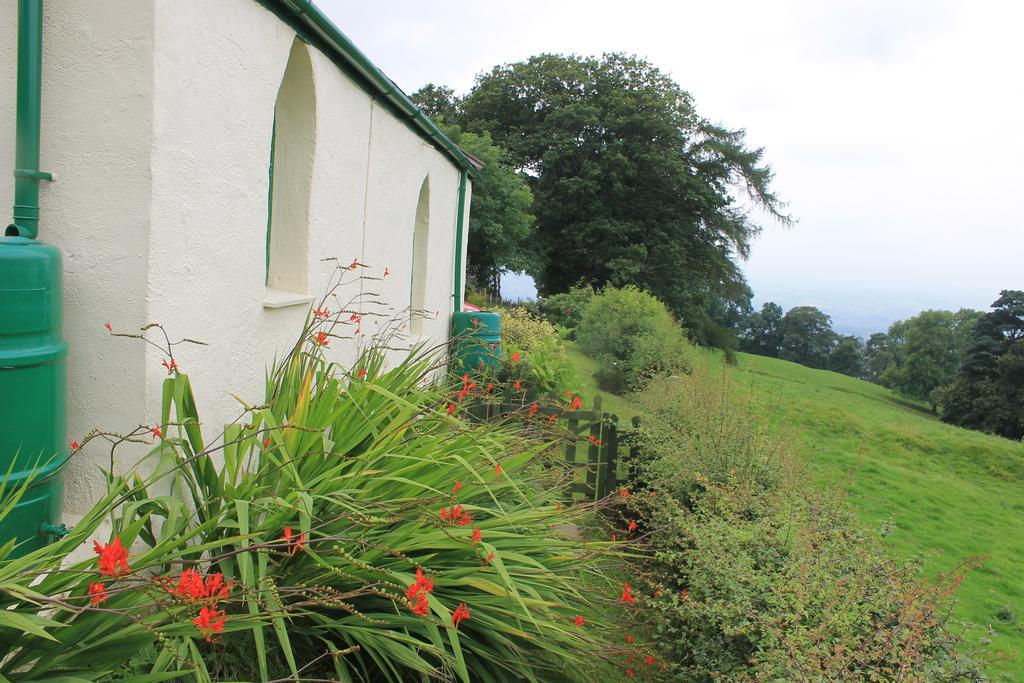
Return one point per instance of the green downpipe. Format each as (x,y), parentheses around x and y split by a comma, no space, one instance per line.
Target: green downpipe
(32,347)
(26,156)
(460,218)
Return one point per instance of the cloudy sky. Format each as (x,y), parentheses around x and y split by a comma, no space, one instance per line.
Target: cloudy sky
(893,126)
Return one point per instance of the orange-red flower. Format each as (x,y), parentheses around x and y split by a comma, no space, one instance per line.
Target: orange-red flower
(98,593)
(459,614)
(553,418)
(490,386)
(629,673)
(355,318)
(171,367)
(322,340)
(457,487)
(649,661)
(579,620)
(293,542)
(209,621)
(354,264)
(632,525)
(361,374)
(517,385)
(487,560)
(627,594)
(476,322)
(533,409)
(683,595)
(322,313)
(417,593)
(629,640)
(109,328)
(515,357)
(386,271)
(476,535)
(624,492)
(75,445)
(577,403)
(594,440)
(497,471)
(113,560)
(157,434)
(451,408)
(266,442)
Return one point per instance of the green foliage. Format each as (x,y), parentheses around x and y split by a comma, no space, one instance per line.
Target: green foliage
(566,309)
(633,336)
(988,391)
(879,356)
(781,583)
(847,357)
(359,464)
(761,331)
(807,336)
(501,223)
(928,349)
(542,366)
(631,184)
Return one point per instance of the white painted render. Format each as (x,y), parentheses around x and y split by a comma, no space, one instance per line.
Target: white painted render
(157,122)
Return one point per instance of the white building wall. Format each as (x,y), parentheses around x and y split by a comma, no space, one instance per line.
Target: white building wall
(157,122)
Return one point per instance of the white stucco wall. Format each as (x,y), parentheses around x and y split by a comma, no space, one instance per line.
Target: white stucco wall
(157,122)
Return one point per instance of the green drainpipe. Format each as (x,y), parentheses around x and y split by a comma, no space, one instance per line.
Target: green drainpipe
(26,157)
(460,216)
(32,346)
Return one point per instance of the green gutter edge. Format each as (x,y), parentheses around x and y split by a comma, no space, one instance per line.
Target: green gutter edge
(460,218)
(315,28)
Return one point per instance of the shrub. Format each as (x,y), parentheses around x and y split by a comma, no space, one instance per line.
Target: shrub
(633,336)
(761,576)
(566,309)
(542,367)
(334,531)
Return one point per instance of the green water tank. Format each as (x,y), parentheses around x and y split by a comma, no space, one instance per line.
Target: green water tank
(476,337)
(32,388)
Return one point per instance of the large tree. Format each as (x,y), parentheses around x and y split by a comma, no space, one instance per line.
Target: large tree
(847,357)
(928,350)
(988,390)
(807,336)
(761,332)
(631,185)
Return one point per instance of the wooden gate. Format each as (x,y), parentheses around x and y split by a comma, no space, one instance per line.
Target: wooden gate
(591,451)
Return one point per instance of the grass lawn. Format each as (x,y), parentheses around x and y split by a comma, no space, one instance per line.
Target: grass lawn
(951,493)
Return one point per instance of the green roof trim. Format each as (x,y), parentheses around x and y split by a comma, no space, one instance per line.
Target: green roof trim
(315,28)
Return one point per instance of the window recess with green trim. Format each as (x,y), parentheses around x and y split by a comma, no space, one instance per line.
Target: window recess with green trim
(290,177)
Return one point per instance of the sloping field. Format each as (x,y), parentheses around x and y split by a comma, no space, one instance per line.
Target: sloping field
(950,493)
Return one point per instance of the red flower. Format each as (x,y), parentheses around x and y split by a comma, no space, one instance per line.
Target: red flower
(109,328)
(629,673)
(157,433)
(322,340)
(476,535)
(684,594)
(98,593)
(487,560)
(459,614)
(649,661)
(594,440)
(497,471)
(451,408)
(579,620)
(292,542)
(558,506)
(489,387)
(624,492)
(354,264)
(657,592)
(209,621)
(553,418)
(355,318)
(417,593)
(533,409)
(75,445)
(361,374)
(266,442)
(632,525)
(627,594)
(190,585)
(386,271)
(322,313)
(476,322)
(421,605)
(113,560)
(457,487)
(566,392)
(517,385)
(171,367)
(576,404)
(629,640)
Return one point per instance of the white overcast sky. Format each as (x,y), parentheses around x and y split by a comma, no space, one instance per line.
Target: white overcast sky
(894,127)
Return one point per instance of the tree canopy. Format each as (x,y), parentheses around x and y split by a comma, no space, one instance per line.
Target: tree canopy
(630,184)
(807,336)
(988,390)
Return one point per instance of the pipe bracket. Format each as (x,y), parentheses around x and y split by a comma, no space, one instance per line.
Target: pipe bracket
(33,174)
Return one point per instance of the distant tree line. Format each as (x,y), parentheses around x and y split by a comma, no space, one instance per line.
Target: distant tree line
(969,363)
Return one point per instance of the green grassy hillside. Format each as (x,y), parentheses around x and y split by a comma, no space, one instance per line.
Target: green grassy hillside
(951,493)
